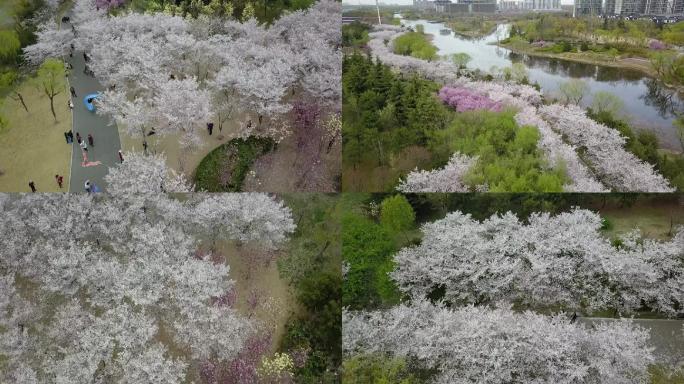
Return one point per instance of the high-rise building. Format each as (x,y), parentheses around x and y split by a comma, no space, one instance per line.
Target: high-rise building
(677,7)
(587,7)
(644,7)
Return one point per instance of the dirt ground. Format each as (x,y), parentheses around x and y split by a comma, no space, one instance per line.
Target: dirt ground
(370,177)
(168,145)
(32,145)
(275,300)
(277,172)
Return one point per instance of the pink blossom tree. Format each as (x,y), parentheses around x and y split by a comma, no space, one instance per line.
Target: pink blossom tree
(465,99)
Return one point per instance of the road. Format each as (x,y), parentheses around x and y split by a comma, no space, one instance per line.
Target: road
(106,137)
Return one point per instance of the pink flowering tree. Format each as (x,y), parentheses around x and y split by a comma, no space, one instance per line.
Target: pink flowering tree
(656,45)
(464,99)
(108,4)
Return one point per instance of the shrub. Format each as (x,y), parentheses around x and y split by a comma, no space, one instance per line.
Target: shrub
(224,169)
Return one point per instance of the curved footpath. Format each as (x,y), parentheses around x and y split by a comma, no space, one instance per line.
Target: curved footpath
(104,153)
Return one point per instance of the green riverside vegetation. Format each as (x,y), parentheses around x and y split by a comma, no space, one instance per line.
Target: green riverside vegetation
(416,44)
(393,123)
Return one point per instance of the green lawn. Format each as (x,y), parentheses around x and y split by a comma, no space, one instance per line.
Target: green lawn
(33,144)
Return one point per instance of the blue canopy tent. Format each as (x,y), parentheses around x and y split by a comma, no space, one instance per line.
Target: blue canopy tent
(88,101)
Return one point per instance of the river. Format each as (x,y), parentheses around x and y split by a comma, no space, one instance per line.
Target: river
(647,103)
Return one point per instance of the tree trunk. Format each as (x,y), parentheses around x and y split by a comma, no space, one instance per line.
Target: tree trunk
(52,107)
(21,100)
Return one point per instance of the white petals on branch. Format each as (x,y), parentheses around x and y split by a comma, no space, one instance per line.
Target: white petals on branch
(561,260)
(145,174)
(447,179)
(496,346)
(560,154)
(604,149)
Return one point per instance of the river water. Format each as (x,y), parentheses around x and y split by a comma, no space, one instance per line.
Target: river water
(647,103)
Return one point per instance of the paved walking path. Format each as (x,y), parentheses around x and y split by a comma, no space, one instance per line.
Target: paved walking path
(106,137)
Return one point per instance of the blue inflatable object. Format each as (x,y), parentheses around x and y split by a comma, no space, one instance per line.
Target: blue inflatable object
(88,101)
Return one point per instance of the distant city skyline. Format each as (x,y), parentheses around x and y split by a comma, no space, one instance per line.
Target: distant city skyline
(408,2)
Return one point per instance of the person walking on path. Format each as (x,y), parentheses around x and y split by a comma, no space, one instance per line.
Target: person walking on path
(120,156)
(91,142)
(32,185)
(73,92)
(59,180)
(78,138)
(145,146)
(210,128)
(71,106)
(66,137)
(71,137)
(84,146)
(87,186)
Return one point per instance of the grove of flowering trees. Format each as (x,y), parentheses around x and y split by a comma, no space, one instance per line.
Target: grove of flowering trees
(564,131)
(560,261)
(604,148)
(172,75)
(99,289)
(484,345)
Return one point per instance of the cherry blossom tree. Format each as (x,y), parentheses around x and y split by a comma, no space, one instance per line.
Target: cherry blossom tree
(483,345)
(605,150)
(51,42)
(560,153)
(145,174)
(109,275)
(447,179)
(464,99)
(553,261)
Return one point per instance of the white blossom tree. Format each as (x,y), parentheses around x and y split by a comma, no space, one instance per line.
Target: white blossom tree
(108,276)
(51,42)
(483,345)
(145,174)
(551,262)
(446,179)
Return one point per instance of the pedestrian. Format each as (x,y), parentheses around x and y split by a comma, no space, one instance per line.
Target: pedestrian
(32,185)
(145,146)
(87,186)
(71,137)
(78,138)
(71,105)
(60,180)
(66,137)
(85,57)
(120,156)
(84,146)
(90,140)
(210,128)
(73,92)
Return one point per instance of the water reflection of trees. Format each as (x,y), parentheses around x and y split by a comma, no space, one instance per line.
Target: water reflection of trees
(577,70)
(663,99)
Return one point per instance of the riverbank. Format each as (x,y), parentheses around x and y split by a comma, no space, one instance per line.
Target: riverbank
(479,33)
(640,64)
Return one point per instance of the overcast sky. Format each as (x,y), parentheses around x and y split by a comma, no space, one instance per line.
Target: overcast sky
(406,2)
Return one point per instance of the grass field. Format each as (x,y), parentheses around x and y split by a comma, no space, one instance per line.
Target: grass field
(654,221)
(370,177)
(33,145)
